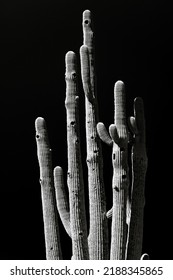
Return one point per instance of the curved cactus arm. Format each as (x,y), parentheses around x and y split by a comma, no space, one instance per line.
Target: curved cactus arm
(78,225)
(61,199)
(50,215)
(98,230)
(85,72)
(132,125)
(114,134)
(103,134)
(109,213)
(139,168)
(120,182)
(145,257)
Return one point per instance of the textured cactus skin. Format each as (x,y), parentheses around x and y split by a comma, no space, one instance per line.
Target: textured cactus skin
(98,233)
(75,174)
(61,198)
(127,196)
(120,182)
(50,215)
(139,168)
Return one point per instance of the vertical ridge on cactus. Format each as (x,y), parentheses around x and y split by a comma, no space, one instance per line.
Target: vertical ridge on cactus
(50,215)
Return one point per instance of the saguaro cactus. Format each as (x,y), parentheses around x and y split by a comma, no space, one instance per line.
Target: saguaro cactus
(75,176)
(50,215)
(139,168)
(98,235)
(127,197)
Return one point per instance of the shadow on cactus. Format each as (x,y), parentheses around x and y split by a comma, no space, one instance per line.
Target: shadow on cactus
(126,138)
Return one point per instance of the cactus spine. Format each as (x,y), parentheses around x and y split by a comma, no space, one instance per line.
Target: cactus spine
(127,197)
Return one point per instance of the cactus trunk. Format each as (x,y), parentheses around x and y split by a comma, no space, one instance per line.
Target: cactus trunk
(50,214)
(120,183)
(139,168)
(78,225)
(98,231)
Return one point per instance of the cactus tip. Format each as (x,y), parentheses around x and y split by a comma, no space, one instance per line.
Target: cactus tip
(138,103)
(86,13)
(87,17)
(145,256)
(83,49)
(70,57)
(71,65)
(57,169)
(119,85)
(40,122)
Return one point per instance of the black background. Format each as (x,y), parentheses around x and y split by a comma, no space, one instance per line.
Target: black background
(134,43)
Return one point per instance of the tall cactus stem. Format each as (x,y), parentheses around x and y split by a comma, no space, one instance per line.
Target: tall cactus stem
(61,199)
(50,215)
(98,231)
(120,180)
(78,224)
(139,168)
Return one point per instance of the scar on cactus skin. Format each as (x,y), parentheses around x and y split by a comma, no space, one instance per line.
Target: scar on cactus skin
(127,195)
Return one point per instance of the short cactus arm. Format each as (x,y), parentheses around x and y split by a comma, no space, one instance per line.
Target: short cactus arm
(78,225)
(139,168)
(98,232)
(120,182)
(103,134)
(50,215)
(61,198)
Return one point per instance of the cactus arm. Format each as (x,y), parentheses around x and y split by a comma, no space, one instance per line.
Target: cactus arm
(61,199)
(120,180)
(98,232)
(145,257)
(139,167)
(109,213)
(50,215)
(103,134)
(78,225)
(85,72)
